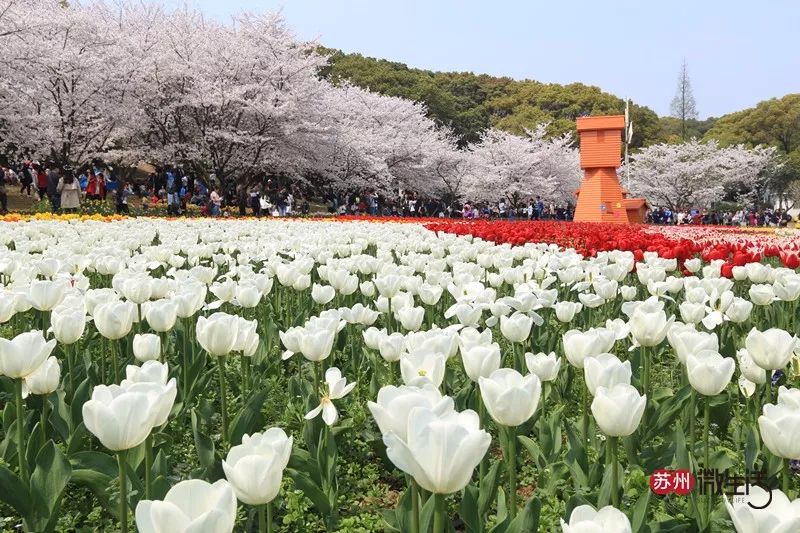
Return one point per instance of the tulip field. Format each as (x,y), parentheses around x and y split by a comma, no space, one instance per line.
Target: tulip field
(416,376)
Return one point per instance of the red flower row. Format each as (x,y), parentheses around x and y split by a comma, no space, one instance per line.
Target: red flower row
(733,246)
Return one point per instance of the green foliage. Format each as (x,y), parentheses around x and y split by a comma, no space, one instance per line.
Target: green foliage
(470,103)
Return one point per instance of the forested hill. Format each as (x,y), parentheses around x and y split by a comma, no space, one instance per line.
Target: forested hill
(469,103)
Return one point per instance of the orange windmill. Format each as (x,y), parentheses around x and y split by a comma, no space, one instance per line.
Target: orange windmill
(601,197)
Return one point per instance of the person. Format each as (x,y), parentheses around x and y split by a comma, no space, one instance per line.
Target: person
(539,208)
(255,204)
(216,203)
(25,179)
(123,194)
(91,187)
(41,182)
(52,189)
(102,186)
(70,192)
(243,197)
(3,194)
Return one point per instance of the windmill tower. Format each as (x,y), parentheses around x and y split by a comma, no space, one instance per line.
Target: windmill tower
(601,197)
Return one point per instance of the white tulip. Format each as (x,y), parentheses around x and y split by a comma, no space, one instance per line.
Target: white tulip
(510,398)
(115,319)
(566,311)
(771,349)
(191,506)
(44,380)
(585,519)
(24,354)
(337,387)
(758,511)
(749,368)
(255,467)
(545,366)
(423,364)
(709,373)
(217,333)
(410,317)
(618,410)
(441,450)
(481,360)
(516,328)
(605,370)
(394,405)
(761,294)
(146,346)
(161,315)
(322,294)
(578,345)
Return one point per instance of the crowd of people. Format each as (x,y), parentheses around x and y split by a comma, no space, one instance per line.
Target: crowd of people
(66,189)
(407,204)
(743,217)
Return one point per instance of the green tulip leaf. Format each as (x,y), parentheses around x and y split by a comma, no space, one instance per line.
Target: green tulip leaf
(667,412)
(78,399)
(528,520)
(468,510)
(49,478)
(426,514)
(311,490)
(752,448)
(639,511)
(501,522)
(203,444)
(60,417)
(95,461)
(488,488)
(14,493)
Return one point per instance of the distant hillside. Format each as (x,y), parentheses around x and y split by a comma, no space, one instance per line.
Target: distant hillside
(470,103)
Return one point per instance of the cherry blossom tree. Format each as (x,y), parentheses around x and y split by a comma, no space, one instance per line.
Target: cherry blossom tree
(519,167)
(63,83)
(355,138)
(696,174)
(226,98)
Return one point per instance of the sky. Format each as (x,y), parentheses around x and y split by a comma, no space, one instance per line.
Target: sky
(738,52)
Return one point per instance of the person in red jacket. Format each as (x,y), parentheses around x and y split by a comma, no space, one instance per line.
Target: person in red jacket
(91,187)
(41,182)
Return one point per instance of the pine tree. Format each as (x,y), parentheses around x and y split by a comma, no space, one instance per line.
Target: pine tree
(683,105)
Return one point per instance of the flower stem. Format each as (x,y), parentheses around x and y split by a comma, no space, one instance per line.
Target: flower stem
(265,518)
(23,463)
(586,409)
(148,466)
(45,415)
(185,359)
(70,365)
(439,513)
(692,417)
(706,461)
(512,472)
(414,505)
(645,381)
(614,472)
(223,402)
(123,490)
(785,479)
(482,418)
(768,390)
(540,422)
(115,360)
